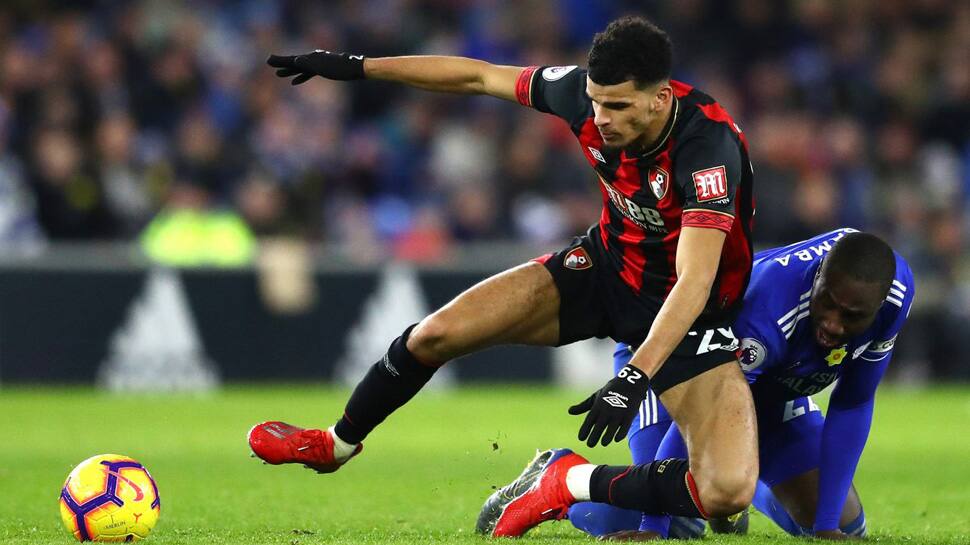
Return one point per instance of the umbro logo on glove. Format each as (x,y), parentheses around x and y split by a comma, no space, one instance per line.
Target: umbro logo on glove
(617,400)
(610,411)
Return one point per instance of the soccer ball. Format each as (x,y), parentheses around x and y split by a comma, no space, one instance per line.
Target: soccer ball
(109,498)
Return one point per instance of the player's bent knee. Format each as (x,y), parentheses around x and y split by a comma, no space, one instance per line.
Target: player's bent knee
(724,504)
(726,494)
(430,340)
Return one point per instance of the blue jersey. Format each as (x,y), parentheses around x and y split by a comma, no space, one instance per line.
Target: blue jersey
(782,361)
(779,354)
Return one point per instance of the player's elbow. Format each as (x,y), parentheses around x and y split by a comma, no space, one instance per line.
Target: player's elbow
(480,76)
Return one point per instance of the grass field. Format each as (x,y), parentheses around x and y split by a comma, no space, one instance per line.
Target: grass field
(423,475)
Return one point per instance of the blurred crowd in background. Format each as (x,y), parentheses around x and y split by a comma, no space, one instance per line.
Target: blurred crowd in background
(122,119)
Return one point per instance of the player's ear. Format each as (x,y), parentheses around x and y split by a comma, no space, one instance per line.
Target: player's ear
(662,97)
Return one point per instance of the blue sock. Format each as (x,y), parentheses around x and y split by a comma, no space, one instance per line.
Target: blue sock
(686,528)
(601,518)
(655,523)
(857,527)
(766,502)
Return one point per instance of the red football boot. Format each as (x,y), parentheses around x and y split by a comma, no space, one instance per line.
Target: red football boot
(537,495)
(280,443)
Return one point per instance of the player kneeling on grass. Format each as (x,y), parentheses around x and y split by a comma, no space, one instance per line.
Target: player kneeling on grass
(824,309)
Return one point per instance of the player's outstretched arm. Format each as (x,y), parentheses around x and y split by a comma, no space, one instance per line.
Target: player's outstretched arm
(435,73)
(844,435)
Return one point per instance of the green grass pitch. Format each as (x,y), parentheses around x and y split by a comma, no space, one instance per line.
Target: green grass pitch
(423,475)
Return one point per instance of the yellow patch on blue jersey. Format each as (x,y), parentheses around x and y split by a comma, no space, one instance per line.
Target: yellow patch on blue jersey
(836,356)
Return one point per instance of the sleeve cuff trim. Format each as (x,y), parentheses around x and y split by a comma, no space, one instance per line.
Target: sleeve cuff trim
(523,86)
(707,219)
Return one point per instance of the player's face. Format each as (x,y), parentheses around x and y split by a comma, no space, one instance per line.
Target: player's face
(842,308)
(626,116)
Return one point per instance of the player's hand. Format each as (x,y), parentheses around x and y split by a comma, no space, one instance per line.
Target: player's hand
(610,411)
(831,534)
(339,66)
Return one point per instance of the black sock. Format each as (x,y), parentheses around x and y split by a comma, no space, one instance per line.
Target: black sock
(388,384)
(662,487)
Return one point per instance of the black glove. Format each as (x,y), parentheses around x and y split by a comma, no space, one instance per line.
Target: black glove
(611,409)
(339,66)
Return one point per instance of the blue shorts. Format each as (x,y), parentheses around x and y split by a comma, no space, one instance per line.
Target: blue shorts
(789,438)
(789,432)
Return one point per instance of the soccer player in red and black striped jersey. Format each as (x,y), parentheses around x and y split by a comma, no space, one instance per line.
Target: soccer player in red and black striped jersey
(664,270)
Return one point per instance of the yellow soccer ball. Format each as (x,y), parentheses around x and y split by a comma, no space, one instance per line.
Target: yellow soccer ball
(109,498)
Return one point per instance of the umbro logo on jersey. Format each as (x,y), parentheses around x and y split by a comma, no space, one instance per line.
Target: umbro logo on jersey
(710,184)
(577,259)
(616,400)
(596,154)
(659,180)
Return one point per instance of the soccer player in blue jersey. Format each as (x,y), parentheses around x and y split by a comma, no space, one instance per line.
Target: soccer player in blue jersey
(825,309)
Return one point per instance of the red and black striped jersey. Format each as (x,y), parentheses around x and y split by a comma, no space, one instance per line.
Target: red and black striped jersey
(697,175)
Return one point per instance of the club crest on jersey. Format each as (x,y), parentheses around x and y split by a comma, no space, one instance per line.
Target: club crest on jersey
(836,356)
(659,180)
(710,184)
(577,259)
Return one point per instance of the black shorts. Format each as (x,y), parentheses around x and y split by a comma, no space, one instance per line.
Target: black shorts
(595,302)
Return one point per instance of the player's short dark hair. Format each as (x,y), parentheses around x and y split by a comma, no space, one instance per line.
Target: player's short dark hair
(864,257)
(631,48)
